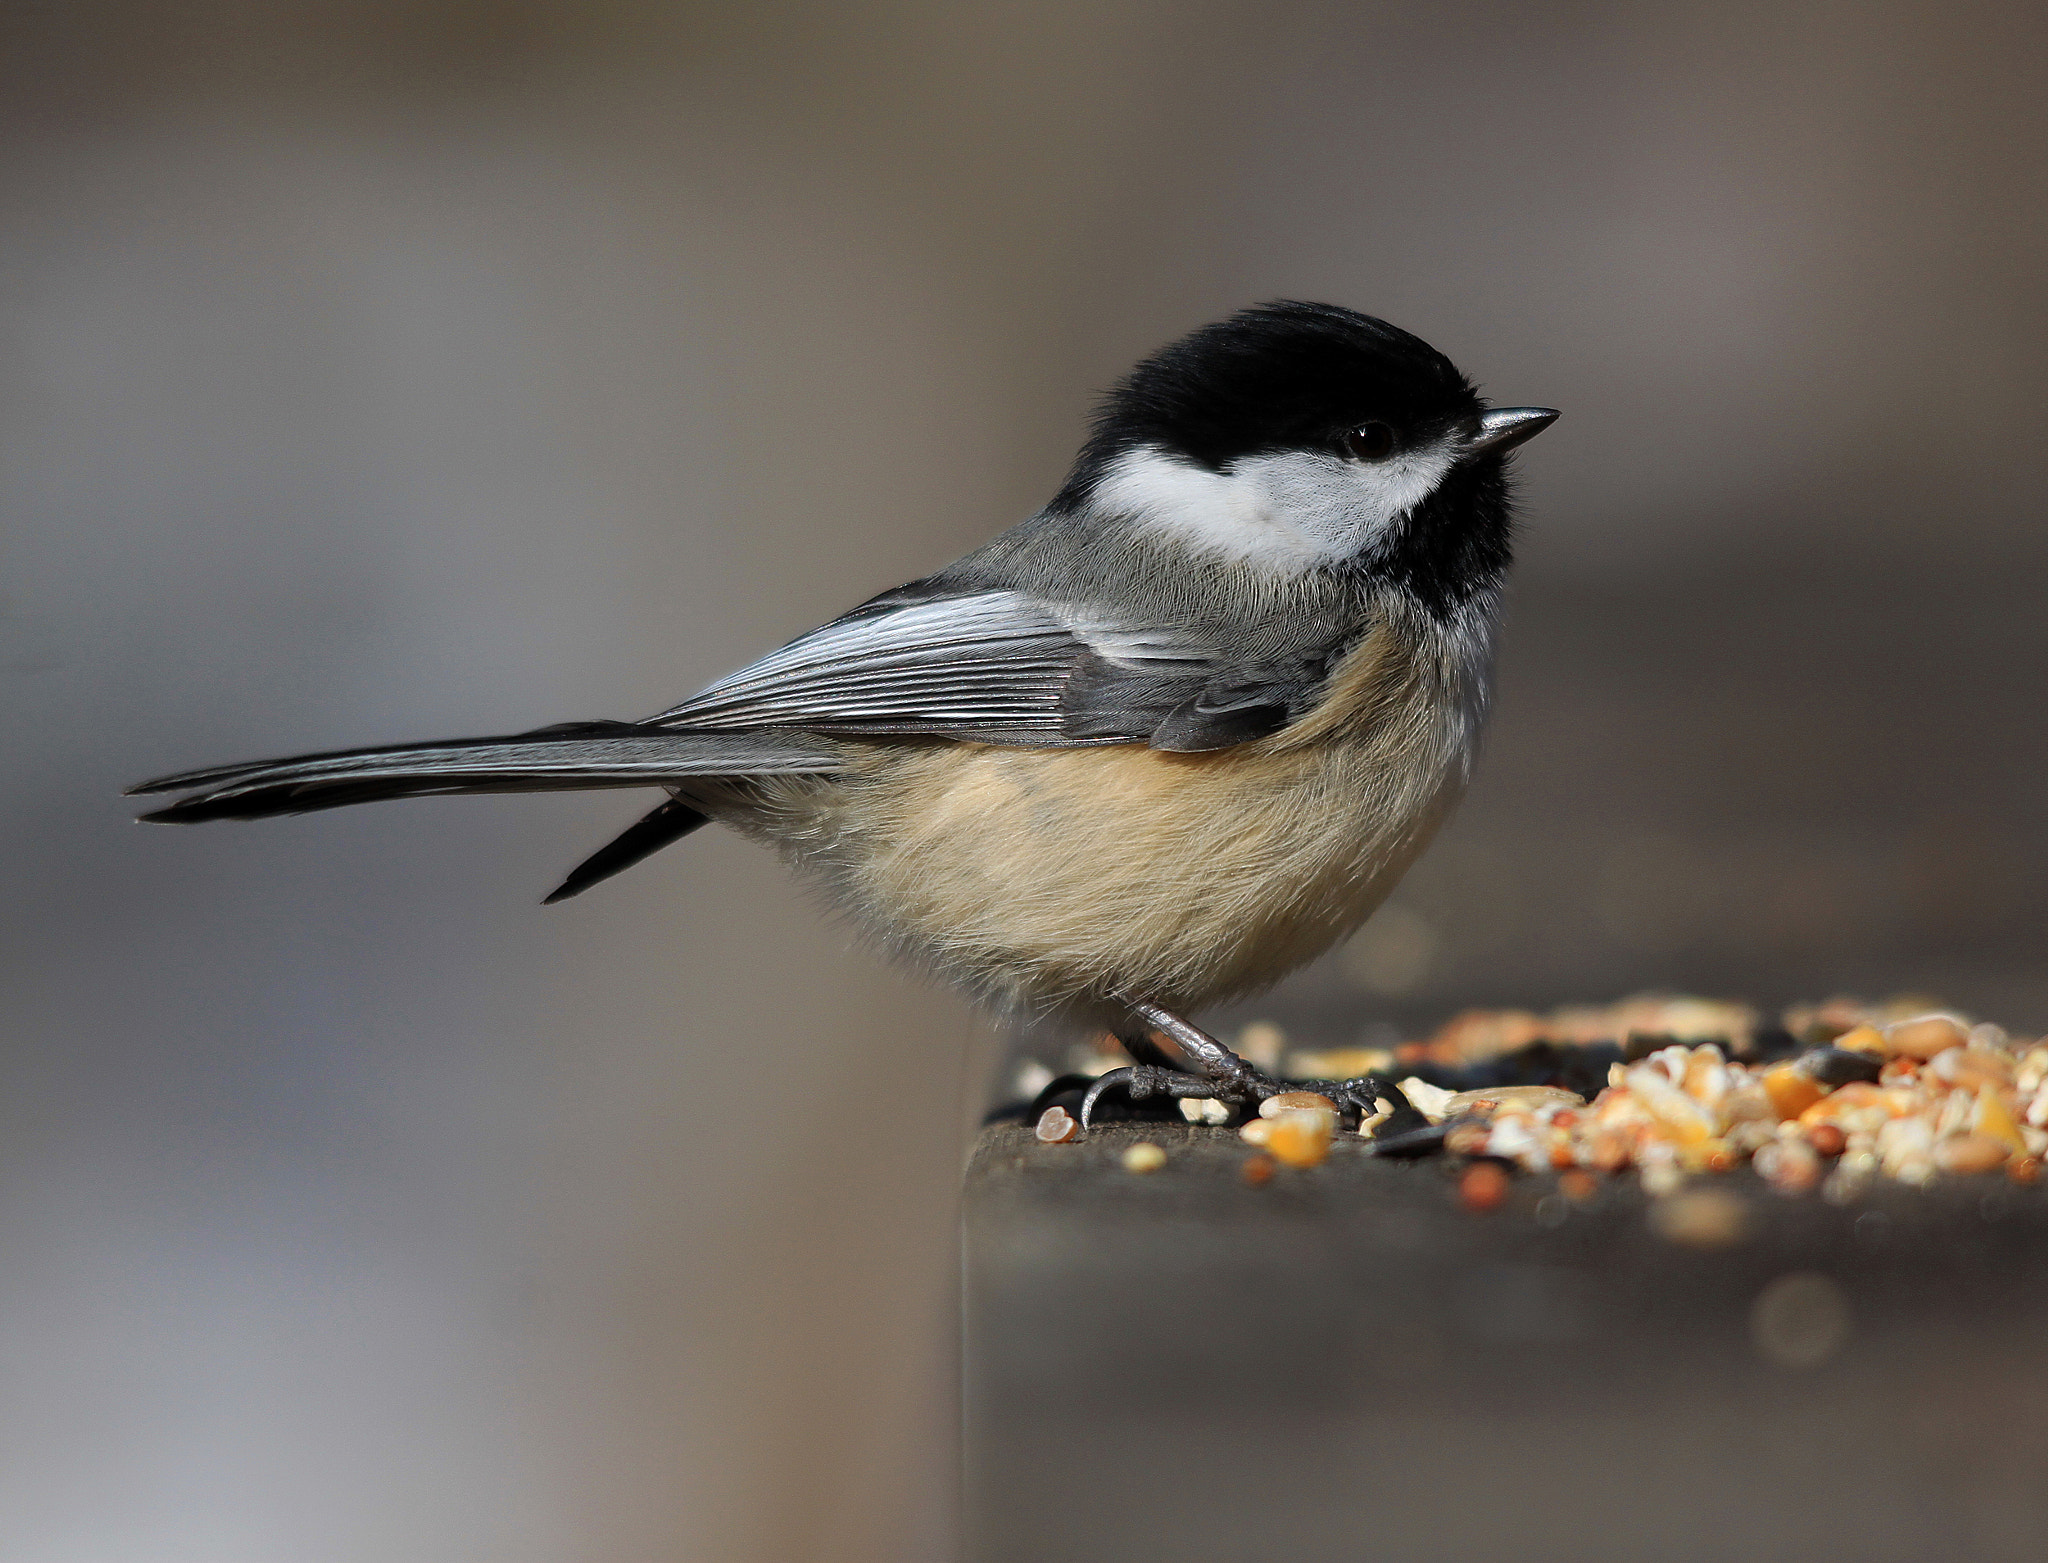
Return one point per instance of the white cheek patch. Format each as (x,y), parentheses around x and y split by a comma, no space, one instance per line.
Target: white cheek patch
(1286,512)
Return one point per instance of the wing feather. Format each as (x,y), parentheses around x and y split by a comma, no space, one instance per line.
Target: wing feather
(987,661)
(996,666)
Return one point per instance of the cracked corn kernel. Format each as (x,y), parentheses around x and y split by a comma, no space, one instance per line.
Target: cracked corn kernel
(1791,1090)
(1677,1114)
(1296,1101)
(1994,1120)
(1968,1153)
(1056,1126)
(1300,1137)
(1925,1038)
(1848,1105)
(1144,1157)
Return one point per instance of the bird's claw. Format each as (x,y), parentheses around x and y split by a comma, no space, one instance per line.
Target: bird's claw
(1142,1080)
(1219,1075)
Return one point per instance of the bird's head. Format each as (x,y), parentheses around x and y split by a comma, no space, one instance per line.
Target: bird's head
(1294,437)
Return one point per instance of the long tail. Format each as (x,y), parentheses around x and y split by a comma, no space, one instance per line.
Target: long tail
(552,759)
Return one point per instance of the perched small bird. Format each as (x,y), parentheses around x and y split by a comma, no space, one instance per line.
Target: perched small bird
(1155,747)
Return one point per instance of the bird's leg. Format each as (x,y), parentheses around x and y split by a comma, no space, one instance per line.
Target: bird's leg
(1138,1042)
(1220,1073)
(1217,1074)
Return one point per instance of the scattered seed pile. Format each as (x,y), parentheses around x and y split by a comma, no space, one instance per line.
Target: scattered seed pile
(1835,1097)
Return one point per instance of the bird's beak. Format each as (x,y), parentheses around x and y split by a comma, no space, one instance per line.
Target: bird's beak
(1504,428)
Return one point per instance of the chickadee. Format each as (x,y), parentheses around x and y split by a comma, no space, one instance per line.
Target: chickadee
(1154,748)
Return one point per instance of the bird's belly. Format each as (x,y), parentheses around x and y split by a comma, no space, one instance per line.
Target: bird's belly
(1046,876)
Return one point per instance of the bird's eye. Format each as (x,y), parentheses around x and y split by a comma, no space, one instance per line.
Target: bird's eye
(1371,441)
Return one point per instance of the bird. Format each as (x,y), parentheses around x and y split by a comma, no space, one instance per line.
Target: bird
(1147,751)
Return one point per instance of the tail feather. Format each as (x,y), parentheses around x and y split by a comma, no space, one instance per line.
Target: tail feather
(558,759)
(671,822)
(218,775)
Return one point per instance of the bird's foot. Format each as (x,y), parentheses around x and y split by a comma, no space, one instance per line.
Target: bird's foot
(1216,1073)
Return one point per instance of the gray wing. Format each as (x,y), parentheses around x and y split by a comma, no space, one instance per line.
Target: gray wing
(1002,667)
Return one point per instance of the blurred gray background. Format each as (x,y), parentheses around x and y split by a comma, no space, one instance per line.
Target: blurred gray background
(376,372)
